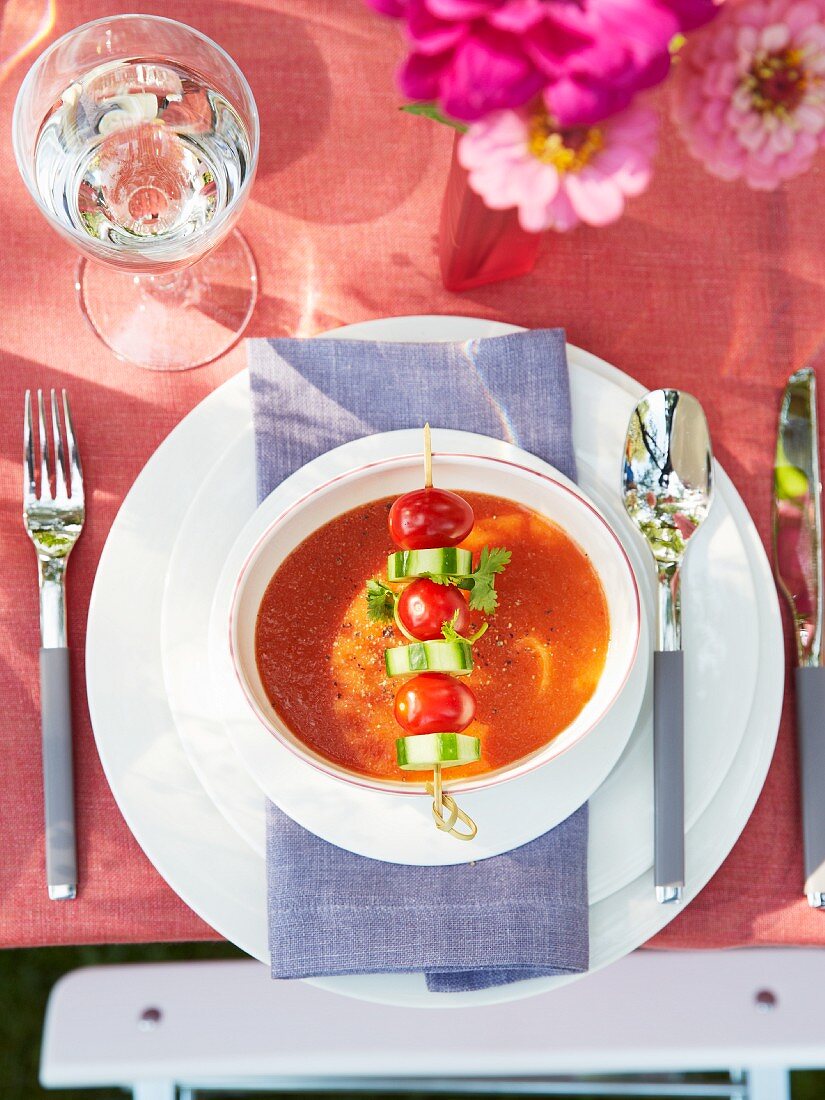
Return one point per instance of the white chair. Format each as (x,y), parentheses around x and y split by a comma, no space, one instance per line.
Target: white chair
(166,1030)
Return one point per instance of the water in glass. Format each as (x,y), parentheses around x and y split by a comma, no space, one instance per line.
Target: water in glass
(141,155)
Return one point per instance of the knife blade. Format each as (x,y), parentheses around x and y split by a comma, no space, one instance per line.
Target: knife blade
(797,545)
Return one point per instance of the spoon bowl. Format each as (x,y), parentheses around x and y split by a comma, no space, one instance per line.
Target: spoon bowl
(667,481)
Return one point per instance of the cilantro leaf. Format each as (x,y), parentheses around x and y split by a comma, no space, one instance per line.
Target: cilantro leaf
(380,602)
(441,578)
(451,634)
(449,631)
(493,561)
(483,595)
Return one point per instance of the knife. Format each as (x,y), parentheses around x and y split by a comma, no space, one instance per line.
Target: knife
(797,545)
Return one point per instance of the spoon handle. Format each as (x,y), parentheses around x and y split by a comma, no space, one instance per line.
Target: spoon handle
(669,774)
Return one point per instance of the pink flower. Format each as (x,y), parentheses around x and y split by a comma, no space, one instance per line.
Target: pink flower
(750,92)
(558,178)
(588,57)
(394,8)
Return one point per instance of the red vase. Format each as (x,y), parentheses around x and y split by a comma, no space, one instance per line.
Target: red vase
(478,245)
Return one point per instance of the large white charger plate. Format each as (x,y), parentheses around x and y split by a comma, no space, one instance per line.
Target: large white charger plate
(370,823)
(204,859)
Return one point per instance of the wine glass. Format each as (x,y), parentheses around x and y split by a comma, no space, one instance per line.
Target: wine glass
(137,137)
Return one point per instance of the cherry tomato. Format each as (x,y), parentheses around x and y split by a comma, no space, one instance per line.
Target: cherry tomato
(424,606)
(426,519)
(433,702)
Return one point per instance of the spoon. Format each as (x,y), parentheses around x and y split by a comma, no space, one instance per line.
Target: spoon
(667,488)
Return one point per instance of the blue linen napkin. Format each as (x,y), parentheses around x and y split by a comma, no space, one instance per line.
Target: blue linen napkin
(520,915)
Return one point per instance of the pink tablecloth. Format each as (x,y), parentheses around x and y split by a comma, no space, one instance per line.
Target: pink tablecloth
(703,285)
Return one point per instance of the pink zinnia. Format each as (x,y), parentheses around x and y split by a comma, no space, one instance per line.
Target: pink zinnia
(559,178)
(750,91)
(587,57)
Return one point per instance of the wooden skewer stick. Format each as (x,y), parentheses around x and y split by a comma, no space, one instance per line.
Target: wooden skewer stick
(447,821)
(443,802)
(438,794)
(465,819)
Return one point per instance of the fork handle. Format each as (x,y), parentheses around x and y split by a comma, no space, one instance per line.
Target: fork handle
(58,785)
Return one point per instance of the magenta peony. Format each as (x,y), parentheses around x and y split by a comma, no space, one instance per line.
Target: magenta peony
(394,8)
(559,178)
(588,57)
(749,96)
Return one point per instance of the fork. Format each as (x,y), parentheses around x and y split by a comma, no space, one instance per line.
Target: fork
(53,520)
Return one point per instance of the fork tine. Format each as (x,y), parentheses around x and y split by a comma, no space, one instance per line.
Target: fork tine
(60,458)
(45,455)
(29,484)
(74,453)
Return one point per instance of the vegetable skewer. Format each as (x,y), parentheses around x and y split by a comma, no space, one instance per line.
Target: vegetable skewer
(442,802)
(431,574)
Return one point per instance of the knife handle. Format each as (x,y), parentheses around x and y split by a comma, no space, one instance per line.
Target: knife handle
(669,774)
(810,728)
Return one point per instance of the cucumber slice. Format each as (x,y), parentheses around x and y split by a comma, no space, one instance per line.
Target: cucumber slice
(425,750)
(433,656)
(450,561)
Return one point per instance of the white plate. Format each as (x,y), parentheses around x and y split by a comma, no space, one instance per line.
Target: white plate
(192,581)
(621,836)
(256,555)
(373,823)
(177,824)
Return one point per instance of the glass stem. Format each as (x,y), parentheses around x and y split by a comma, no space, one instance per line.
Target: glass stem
(175,287)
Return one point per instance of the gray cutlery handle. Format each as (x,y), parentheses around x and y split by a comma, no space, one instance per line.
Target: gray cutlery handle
(58,785)
(669,772)
(810,727)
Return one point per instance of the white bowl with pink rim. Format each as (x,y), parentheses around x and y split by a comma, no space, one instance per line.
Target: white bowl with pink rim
(561,503)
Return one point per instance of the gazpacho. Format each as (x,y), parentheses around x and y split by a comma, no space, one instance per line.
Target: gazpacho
(477,655)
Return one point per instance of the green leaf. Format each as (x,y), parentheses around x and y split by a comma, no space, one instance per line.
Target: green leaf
(441,578)
(432,111)
(493,561)
(451,634)
(483,596)
(380,602)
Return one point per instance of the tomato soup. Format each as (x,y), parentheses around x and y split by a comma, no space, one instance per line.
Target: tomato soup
(321,660)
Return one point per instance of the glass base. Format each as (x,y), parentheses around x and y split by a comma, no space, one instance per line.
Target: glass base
(176,321)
